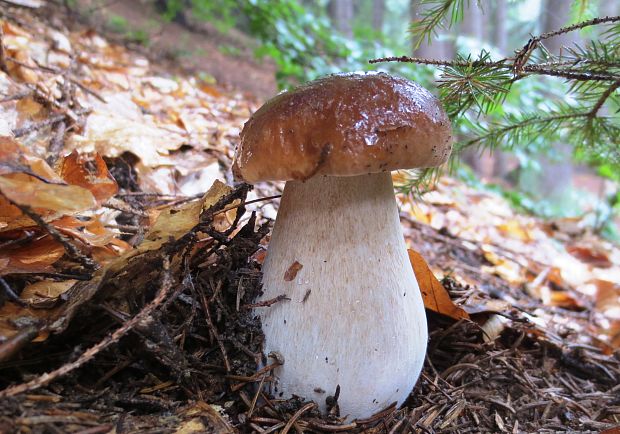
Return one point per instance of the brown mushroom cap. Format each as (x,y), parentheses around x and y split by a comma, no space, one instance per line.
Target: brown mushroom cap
(344,125)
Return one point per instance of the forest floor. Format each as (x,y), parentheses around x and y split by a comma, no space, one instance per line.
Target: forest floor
(127,292)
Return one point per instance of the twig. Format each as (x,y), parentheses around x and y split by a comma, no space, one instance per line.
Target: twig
(10,293)
(571,75)
(258,390)
(537,69)
(19,132)
(57,143)
(17,96)
(260,373)
(15,343)
(296,416)
(523,55)
(333,428)
(213,331)
(266,303)
(233,206)
(422,61)
(599,103)
(119,205)
(56,71)
(578,26)
(377,416)
(88,355)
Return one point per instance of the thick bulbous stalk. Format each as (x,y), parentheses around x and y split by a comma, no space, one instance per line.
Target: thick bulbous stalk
(355,317)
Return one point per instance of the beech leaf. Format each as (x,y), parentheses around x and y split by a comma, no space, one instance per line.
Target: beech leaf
(435,296)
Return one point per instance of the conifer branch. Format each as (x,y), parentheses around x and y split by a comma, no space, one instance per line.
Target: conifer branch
(604,96)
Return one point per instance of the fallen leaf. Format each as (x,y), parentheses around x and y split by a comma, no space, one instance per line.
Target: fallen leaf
(27,190)
(172,222)
(590,255)
(111,135)
(435,296)
(88,230)
(88,170)
(514,229)
(560,298)
(493,327)
(488,306)
(45,289)
(34,257)
(503,267)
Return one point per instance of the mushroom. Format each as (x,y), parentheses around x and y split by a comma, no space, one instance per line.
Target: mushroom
(355,318)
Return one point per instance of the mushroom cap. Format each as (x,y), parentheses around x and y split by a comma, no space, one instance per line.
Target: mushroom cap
(344,125)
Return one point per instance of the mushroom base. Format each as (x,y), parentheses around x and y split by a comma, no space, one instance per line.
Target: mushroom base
(355,317)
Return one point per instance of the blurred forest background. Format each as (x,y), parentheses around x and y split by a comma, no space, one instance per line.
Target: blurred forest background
(568,168)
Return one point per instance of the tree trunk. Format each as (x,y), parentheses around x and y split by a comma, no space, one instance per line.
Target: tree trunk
(500,30)
(501,162)
(473,26)
(556,14)
(473,22)
(554,181)
(378,14)
(439,47)
(341,14)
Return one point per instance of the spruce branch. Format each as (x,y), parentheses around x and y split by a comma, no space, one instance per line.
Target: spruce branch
(579,26)
(498,132)
(566,73)
(605,95)
(533,69)
(473,90)
(523,55)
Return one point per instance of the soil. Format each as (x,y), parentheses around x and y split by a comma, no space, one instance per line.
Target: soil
(193,47)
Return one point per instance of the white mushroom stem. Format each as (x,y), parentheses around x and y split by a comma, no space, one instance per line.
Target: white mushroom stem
(355,317)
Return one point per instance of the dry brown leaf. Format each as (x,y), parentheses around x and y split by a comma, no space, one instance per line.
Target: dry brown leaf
(12,314)
(90,231)
(607,293)
(488,306)
(503,267)
(45,289)
(28,180)
(561,299)
(34,257)
(435,296)
(172,222)
(22,73)
(514,229)
(88,170)
(111,135)
(27,190)
(590,255)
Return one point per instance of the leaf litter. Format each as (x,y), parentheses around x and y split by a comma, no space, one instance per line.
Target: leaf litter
(127,284)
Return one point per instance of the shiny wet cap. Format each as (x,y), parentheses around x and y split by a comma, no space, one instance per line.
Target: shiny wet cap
(344,125)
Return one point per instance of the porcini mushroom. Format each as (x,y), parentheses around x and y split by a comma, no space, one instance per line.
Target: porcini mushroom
(355,318)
